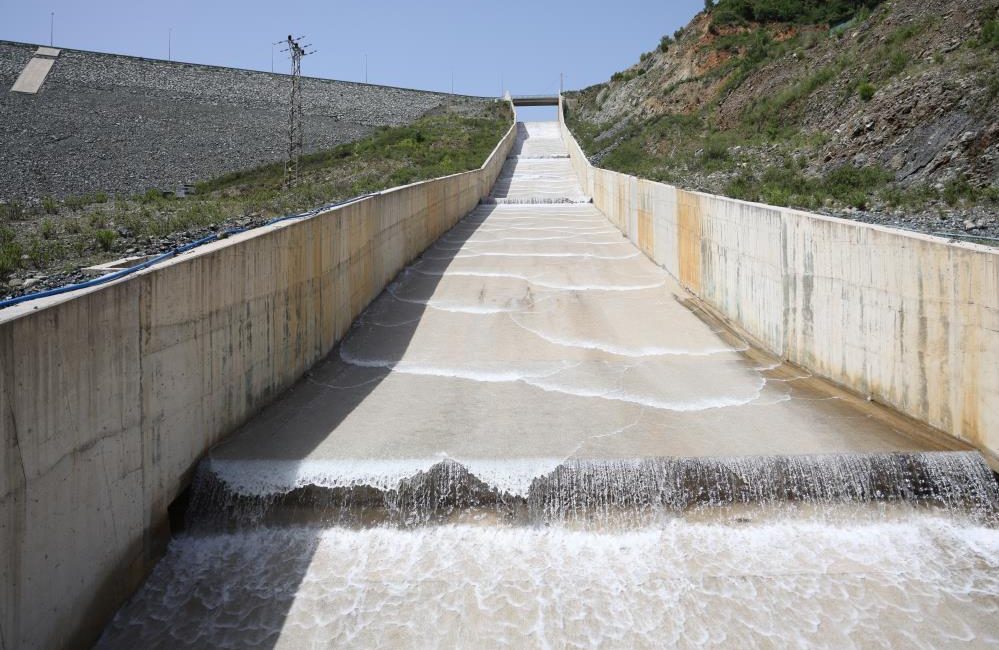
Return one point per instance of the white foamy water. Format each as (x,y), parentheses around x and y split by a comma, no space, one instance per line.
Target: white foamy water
(623,350)
(919,582)
(259,478)
(453,306)
(580,380)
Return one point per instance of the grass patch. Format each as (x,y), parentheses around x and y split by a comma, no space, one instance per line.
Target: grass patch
(768,112)
(786,186)
(105,239)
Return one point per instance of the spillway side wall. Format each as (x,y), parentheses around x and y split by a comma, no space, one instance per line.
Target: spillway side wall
(108,397)
(908,319)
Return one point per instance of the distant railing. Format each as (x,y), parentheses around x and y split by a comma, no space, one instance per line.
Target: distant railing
(535,100)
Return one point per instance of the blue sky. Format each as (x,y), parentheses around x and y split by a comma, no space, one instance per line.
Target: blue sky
(523,45)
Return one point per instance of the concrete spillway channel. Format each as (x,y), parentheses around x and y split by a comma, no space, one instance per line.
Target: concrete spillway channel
(535,438)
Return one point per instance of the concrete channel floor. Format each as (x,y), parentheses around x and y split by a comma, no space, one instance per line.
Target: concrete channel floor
(534,332)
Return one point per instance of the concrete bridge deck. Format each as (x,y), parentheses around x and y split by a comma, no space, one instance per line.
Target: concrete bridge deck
(533,332)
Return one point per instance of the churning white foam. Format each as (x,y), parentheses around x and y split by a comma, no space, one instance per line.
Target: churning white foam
(920,582)
(261,478)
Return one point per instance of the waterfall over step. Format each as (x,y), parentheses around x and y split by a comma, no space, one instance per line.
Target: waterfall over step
(600,492)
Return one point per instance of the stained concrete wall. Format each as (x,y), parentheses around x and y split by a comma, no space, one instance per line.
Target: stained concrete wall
(908,319)
(108,397)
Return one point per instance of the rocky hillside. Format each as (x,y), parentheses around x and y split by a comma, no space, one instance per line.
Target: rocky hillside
(881,111)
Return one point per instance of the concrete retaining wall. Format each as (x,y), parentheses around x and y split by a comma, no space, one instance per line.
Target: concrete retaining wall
(108,397)
(908,319)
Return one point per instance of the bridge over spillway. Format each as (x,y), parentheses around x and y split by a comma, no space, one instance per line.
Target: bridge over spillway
(534,100)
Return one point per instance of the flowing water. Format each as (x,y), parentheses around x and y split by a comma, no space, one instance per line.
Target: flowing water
(531,441)
(829,551)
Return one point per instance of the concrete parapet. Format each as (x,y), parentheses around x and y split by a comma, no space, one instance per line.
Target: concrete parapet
(908,319)
(109,396)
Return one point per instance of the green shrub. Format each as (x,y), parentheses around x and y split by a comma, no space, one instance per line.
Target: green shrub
(989,38)
(714,154)
(802,12)
(12,211)
(744,186)
(152,195)
(664,43)
(38,252)
(10,257)
(50,205)
(958,190)
(898,59)
(627,75)
(105,239)
(48,229)
(866,91)
(97,219)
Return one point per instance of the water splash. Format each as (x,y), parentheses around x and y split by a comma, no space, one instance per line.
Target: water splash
(600,493)
(921,583)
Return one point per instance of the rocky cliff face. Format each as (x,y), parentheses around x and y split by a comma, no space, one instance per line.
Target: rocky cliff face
(901,102)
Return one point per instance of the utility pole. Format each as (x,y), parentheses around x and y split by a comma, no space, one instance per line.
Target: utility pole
(561,77)
(365,68)
(272,53)
(296,51)
(51,28)
(170,44)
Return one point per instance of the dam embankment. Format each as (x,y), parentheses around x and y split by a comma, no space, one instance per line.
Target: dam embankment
(122,124)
